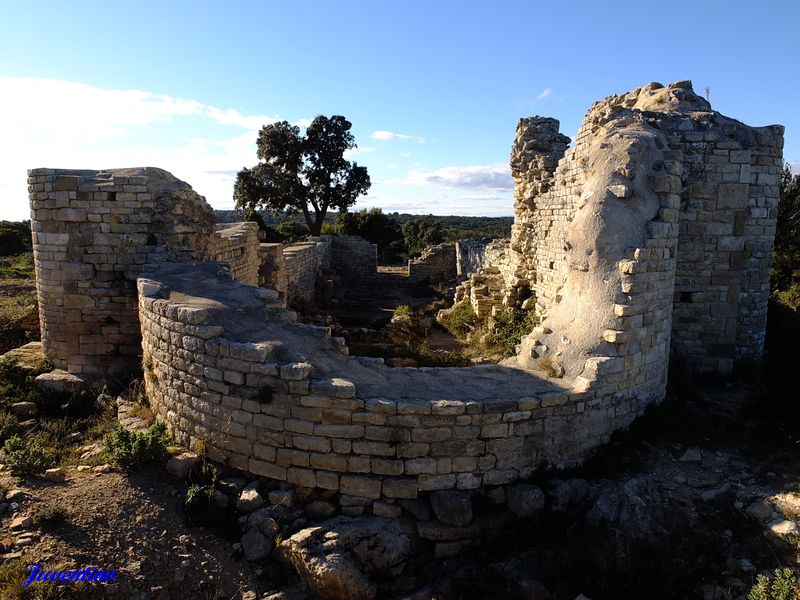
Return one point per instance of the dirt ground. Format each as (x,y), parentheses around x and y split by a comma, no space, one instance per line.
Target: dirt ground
(134,524)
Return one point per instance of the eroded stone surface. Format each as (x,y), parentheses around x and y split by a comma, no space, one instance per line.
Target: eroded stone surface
(339,559)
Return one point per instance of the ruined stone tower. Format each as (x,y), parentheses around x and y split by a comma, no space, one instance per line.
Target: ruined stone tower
(651,235)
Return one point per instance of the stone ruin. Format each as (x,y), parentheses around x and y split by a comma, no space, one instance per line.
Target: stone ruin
(651,235)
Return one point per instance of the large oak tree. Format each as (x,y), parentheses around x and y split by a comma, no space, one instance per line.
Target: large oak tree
(307,174)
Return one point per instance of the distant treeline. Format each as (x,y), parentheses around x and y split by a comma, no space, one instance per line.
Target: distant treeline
(454,227)
(15,237)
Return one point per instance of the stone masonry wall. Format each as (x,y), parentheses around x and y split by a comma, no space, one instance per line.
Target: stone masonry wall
(92,233)
(293,269)
(470,256)
(301,263)
(437,263)
(237,245)
(707,187)
(272,270)
(227,365)
(354,259)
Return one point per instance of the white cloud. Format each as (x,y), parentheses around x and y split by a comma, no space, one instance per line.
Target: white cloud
(477,205)
(795,166)
(477,177)
(232,116)
(545,93)
(385,136)
(348,154)
(63,124)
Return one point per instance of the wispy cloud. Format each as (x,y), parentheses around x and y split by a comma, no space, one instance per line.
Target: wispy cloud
(360,150)
(529,102)
(384,136)
(52,123)
(476,177)
(478,205)
(795,166)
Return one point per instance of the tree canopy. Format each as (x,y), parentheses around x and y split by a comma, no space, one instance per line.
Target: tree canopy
(375,227)
(786,258)
(421,233)
(306,174)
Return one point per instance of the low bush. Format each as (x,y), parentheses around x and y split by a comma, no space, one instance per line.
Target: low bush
(197,502)
(403,309)
(129,449)
(509,327)
(460,320)
(50,517)
(18,267)
(784,586)
(25,457)
(9,425)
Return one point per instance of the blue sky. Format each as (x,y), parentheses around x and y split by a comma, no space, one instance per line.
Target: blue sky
(433,88)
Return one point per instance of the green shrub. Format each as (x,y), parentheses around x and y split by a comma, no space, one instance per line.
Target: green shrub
(510,326)
(403,309)
(197,502)
(9,425)
(50,516)
(784,586)
(291,229)
(18,267)
(550,368)
(460,319)
(129,449)
(25,457)
(790,297)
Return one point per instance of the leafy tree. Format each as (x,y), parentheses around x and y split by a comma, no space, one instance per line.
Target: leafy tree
(375,227)
(305,174)
(786,259)
(291,229)
(422,232)
(15,237)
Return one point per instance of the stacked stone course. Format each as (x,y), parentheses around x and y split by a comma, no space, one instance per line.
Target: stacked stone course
(93,231)
(437,263)
(354,259)
(237,245)
(229,386)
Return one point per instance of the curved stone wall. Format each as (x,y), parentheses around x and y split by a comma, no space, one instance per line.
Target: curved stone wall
(227,366)
(92,233)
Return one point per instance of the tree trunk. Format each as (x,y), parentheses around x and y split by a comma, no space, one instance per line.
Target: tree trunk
(315,227)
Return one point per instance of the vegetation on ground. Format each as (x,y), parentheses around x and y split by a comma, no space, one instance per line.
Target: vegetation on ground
(50,516)
(460,320)
(25,457)
(18,266)
(508,328)
(783,586)
(129,449)
(500,335)
(402,310)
